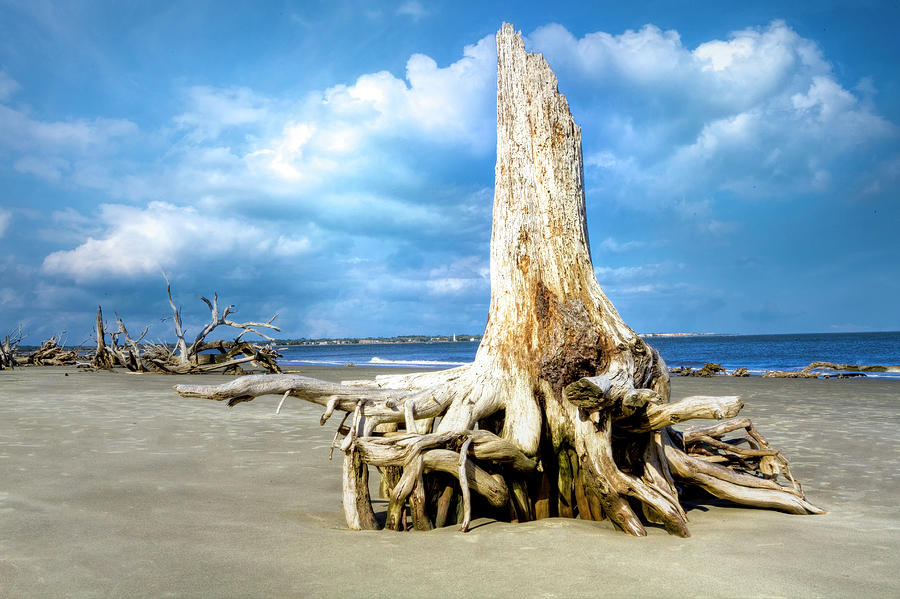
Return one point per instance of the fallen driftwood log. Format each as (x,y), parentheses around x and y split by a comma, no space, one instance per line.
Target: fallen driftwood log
(565,411)
(817,369)
(812,371)
(850,367)
(710,369)
(789,374)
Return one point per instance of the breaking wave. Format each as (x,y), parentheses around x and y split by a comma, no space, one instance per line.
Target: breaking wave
(386,362)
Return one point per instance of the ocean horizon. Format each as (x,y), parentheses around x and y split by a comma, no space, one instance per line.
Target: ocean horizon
(757,353)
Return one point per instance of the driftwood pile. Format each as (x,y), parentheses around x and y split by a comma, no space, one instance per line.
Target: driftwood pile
(52,352)
(812,371)
(840,371)
(118,349)
(125,351)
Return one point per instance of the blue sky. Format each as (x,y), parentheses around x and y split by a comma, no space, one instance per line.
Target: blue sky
(333,161)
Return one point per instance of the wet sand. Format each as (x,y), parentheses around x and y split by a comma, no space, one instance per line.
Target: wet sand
(113,486)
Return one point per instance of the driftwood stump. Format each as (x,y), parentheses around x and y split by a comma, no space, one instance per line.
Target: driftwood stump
(565,410)
(8,348)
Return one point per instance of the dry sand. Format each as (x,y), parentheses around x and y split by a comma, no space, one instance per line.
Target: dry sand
(113,486)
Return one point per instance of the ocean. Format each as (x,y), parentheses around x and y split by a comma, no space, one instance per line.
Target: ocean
(757,353)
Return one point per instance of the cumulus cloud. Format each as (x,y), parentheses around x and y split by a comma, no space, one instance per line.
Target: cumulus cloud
(759,113)
(140,241)
(385,178)
(237,142)
(448,104)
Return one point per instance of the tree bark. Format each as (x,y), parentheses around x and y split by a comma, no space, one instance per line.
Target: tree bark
(573,405)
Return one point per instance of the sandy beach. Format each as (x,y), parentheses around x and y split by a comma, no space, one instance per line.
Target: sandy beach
(113,486)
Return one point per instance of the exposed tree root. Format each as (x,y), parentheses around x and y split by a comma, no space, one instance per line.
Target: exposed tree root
(591,480)
(565,410)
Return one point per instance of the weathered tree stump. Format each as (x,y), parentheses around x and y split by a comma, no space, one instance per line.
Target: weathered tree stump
(9,347)
(565,410)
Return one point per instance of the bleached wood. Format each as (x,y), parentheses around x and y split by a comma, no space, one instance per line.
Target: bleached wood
(464,485)
(723,483)
(281,403)
(580,401)
(689,408)
(355,494)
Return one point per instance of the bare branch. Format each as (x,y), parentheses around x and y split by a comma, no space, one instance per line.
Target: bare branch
(180,345)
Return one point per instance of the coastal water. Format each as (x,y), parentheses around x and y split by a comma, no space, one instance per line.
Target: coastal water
(757,353)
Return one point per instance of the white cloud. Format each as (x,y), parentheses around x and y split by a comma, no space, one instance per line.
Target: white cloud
(739,70)
(647,56)
(461,277)
(138,241)
(284,159)
(451,103)
(348,130)
(646,289)
(386,162)
(758,113)
(212,110)
(50,168)
(606,274)
(18,131)
(611,245)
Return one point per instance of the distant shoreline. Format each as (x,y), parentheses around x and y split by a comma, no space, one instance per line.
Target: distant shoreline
(467,338)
